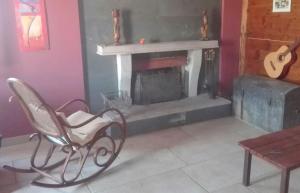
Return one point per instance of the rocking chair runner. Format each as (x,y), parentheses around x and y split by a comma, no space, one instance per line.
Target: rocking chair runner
(79,133)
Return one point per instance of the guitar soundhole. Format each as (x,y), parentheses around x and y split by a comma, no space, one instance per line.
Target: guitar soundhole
(281,58)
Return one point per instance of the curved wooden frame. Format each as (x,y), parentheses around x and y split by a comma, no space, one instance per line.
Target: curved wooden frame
(67,145)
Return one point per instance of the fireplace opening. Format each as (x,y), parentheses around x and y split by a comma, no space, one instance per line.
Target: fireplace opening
(158,77)
(159,85)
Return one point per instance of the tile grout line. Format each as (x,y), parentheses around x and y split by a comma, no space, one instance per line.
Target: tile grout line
(194,180)
(159,173)
(204,161)
(239,183)
(192,164)
(137,180)
(179,158)
(89,189)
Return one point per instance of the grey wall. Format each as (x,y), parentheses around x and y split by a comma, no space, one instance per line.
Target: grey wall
(154,20)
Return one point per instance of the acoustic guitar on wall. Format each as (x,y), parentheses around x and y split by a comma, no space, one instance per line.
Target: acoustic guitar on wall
(276,63)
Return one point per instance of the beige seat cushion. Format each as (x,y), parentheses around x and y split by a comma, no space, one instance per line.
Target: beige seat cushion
(86,133)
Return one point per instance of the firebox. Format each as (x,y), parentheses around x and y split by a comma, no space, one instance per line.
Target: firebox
(157,77)
(154,86)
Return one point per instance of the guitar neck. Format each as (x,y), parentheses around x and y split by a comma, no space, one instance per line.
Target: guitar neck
(292,47)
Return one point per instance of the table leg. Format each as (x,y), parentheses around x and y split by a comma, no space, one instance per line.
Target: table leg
(247,168)
(285,179)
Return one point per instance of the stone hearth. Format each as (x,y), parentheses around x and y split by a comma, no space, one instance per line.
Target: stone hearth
(146,118)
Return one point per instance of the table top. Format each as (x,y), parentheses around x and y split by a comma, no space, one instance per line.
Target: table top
(281,148)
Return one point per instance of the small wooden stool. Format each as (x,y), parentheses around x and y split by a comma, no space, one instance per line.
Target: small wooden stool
(281,149)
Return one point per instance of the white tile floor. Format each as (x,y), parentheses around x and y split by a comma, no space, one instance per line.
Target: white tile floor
(197,158)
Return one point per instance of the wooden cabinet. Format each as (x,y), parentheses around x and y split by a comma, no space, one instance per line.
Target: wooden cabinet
(270,104)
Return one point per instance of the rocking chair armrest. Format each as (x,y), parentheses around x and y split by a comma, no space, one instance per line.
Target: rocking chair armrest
(96,116)
(87,109)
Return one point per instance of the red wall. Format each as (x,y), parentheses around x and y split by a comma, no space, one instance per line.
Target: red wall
(230,44)
(56,73)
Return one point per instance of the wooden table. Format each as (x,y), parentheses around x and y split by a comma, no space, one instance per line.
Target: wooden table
(281,149)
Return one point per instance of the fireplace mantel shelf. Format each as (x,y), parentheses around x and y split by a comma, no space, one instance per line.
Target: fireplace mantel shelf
(156,47)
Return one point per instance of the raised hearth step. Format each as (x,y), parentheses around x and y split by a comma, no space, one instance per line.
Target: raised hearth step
(147,118)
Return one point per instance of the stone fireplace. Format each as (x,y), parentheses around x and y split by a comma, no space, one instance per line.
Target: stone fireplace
(192,108)
(124,55)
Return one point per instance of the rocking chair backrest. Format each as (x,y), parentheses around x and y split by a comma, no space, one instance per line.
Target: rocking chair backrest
(41,116)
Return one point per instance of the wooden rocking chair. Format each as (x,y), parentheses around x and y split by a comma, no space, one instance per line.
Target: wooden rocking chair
(80,133)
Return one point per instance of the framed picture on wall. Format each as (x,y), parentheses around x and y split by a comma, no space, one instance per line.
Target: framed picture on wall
(282,5)
(31,25)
